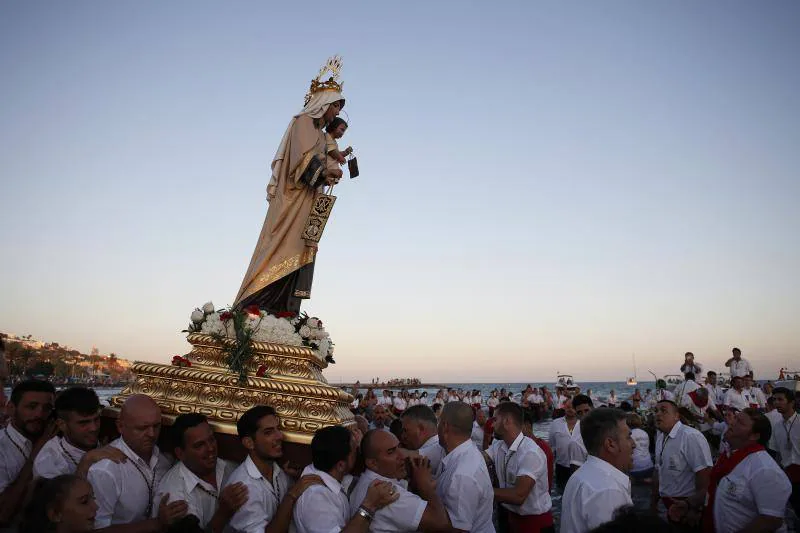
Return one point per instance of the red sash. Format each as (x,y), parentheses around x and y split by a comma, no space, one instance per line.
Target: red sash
(725,465)
(696,399)
(532,523)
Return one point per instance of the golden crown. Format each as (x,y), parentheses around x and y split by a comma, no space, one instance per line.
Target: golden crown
(334,66)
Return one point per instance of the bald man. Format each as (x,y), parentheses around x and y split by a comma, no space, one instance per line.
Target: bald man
(124,491)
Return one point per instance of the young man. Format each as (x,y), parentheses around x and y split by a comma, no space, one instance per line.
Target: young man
(786,440)
(420,433)
(739,367)
(754,393)
(736,397)
(385,462)
(197,476)
(683,465)
(21,441)
(689,385)
(601,486)
(269,500)
(577,450)
(125,491)
(324,508)
(561,432)
(748,490)
(78,420)
(715,392)
(478,435)
(464,483)
(522,473)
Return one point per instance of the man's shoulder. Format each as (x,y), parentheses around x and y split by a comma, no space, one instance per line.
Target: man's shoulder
(239,474)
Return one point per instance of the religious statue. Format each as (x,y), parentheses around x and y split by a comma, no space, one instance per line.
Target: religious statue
(282,266)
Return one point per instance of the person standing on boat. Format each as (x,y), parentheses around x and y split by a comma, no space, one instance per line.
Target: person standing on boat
(738,365)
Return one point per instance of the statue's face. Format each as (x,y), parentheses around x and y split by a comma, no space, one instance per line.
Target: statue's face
(333,111)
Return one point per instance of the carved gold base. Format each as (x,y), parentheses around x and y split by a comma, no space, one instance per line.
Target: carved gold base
(292,383)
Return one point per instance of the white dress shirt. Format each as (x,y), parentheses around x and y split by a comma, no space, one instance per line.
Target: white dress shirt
(57,457)
(466,490)
(684,389)
(559,438)
(715,394)
(679,456)
(263,496)
(786,440)
(14,451)
(739,400)
(664,394)
(477,435)
(641,454)
(183,484)
(523,458)
(322,508)
(399,404)
(577,450)
(125,491)
(592,495)
(404,514)
(757,397)
(740,368)
(757,486)
(434,452)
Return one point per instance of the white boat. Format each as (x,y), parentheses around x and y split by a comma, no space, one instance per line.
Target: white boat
(791,380)
(672,380)
(566,381)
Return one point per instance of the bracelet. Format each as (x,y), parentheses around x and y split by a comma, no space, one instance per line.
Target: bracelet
(362,512)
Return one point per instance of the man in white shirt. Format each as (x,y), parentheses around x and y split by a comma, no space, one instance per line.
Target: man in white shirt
(419,433)
(125,491)
(78,420)
(786,440)
(399,403)
(736,396)
(381,417)
(197,476)
(751,490)
(561,431)
(577,450)
(601,486)
(260,490)
(325,508)
(662,393)
(758,399)
(464,484)
(715,392)
(689,385)
(385,462)
(521,468)
(700,405)
(683,467)
(477,428)
(21,441)
(739,367)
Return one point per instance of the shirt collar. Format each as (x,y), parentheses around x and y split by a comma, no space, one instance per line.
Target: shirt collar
(608,468)
(191,480)
(329,481)
(123,446)
(72,450)
(516,444)
(253,470)
(18,437)
(675,430)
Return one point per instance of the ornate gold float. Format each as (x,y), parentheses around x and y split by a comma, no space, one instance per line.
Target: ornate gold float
(288,378)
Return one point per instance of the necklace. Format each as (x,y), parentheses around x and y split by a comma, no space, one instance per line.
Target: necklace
(150,486)
(663,447)
(210,493)
(16,445)
(789,430)
(69,455)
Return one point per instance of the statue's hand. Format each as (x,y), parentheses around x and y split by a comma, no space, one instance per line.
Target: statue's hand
(333,176)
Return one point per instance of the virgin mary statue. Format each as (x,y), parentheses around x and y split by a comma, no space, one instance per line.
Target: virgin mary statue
(282,267)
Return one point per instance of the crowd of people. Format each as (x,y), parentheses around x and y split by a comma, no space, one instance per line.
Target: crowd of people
(457,463)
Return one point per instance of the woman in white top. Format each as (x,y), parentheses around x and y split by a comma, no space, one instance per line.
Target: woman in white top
(642,461)
(423,398)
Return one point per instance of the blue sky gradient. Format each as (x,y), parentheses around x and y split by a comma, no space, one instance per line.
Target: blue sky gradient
(545,186)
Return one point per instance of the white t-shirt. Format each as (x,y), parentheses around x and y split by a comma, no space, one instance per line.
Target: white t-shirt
(559,439)
(641,454)
(404,514)
(523,458)
(740,368)
(592,495)
(466,490)
(679,456)
(757,486)
(263,497)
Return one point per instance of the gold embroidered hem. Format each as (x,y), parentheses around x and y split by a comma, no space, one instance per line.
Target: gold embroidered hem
(280,270)
(302,294)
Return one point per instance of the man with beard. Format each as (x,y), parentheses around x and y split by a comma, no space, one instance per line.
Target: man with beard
(583,405)
(385,462)
(683,466)
(21,441)
(198,475)
(381,418)
(78,420)
(324,508)
(269,493)
(125,491)
(419,433)
(522,473)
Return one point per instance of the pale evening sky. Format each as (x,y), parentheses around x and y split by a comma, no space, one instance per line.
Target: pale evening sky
(544,185)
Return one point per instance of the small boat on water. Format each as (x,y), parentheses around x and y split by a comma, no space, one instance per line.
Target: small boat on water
(672,380)
(789,379)
(566,381)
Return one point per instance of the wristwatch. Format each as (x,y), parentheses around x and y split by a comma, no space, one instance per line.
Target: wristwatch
(362,512)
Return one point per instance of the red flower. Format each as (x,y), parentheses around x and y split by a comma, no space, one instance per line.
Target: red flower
(227,315)
(261,371)
(286,314)
(181,361)
(252,310)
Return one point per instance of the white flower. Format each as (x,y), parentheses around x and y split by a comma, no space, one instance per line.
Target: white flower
(305,331)
(197,316)
(208,308)
(313,322)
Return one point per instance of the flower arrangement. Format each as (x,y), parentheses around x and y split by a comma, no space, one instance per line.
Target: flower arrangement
(253,324)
